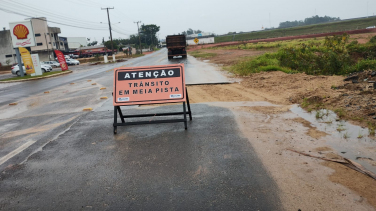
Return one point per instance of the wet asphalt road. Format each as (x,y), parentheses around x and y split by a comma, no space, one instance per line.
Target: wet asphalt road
(82,165)
(196,73)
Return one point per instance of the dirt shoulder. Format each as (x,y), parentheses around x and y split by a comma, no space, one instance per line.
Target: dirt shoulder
(354,100)
(230,57)
(305,183)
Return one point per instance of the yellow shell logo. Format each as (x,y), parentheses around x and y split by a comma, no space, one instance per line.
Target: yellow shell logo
(20,31)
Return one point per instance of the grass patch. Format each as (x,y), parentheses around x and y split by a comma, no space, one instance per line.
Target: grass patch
(266,62)
(371,128)
(29,76)
(135,56)
(200,54)
(346,135)
(305,103)
(301,30)
(360,135)
(340,112)
(271,45)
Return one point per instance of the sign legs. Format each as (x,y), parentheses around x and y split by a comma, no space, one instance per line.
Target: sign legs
(117,110)
(115,119)
(189,106)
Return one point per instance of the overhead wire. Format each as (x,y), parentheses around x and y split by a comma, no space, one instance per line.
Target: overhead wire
(80,3)
(52,15)
(62,20)
(13,12)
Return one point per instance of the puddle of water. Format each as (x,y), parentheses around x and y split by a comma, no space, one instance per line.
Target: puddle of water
(205,60)
(350,141)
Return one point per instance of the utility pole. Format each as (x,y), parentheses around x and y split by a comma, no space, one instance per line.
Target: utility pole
(139,39)
(109,25)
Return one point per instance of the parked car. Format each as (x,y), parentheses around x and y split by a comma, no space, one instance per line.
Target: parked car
(46,68)
(16,69)
(73,56)
(72,62)
(51,63)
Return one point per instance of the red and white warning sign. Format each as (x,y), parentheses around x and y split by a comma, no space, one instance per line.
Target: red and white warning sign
(149,85)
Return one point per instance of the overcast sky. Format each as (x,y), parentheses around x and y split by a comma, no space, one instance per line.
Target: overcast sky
(218,16)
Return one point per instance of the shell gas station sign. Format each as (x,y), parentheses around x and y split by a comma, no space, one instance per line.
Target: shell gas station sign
(22,34)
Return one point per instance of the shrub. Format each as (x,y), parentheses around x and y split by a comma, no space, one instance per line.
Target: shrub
(372,40)
(330,58)
(365,64)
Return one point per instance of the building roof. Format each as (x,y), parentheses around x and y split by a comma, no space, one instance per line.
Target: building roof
(90,47)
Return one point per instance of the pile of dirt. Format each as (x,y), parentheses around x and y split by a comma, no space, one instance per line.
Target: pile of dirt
(355,99)
(354,102)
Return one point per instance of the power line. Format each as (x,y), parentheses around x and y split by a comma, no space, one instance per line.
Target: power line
(49,13)
(13,12)
(53,19)
(65,24)
(81,3)
(62,19)
(93,2)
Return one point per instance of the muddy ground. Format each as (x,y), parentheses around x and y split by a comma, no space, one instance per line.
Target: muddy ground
(272,132)
(354,100)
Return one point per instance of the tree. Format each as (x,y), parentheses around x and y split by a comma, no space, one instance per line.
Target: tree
(308,21)
(190,31)
(108,45)
(92,43)
(148,33)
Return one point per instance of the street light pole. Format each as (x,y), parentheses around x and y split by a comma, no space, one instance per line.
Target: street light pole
(109,26)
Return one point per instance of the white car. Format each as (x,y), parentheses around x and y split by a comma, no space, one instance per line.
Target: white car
(15,69)
(51,63)
(72,62)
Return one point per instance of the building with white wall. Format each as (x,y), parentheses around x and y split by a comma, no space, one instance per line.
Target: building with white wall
(76,42)
(201,40)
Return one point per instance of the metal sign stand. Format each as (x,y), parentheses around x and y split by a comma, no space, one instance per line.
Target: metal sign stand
(19,60)
(123,123)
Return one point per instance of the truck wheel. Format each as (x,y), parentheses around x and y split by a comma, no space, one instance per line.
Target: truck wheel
(184,56)
(170,57)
